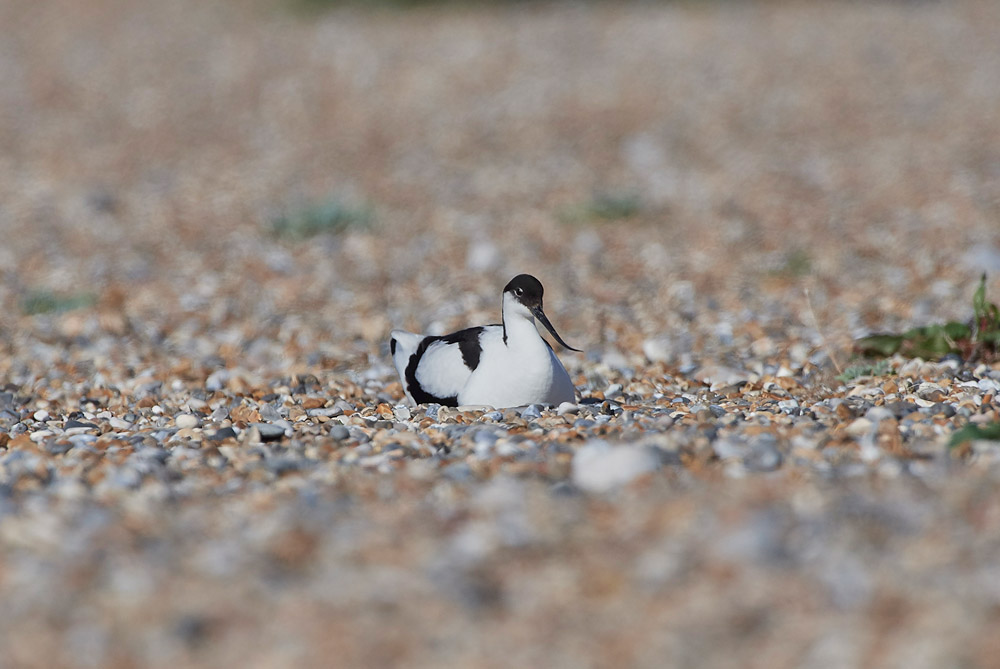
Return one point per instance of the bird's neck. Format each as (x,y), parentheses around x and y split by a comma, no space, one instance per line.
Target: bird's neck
(520,331)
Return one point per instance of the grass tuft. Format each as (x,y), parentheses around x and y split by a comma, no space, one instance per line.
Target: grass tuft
(47,302)
(880,368)
(605,207)
(973,432)
(329,217)
(979,339)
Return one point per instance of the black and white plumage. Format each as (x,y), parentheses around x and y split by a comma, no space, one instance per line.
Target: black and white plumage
(502,365)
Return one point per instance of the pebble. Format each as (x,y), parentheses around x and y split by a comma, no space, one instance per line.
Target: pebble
(220,434)
(859,427)
(878,414)
(340,433)
(567,408)
(186,420)
(269,431)
(326,412)
(531,412)
(764,455)
(601,467)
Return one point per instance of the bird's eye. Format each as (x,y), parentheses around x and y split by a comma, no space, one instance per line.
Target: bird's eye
(519,291)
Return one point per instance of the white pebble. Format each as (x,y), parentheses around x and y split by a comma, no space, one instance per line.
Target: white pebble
(119,424)
(40,415)
(186,420)
(567,408)
(860,427)
(601,467)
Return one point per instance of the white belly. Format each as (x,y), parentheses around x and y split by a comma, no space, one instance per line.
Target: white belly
(509,376)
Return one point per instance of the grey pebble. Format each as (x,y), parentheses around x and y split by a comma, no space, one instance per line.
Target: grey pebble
(285,464)
(901,409)
(878,414)
(942,408)
(457,471)
(218,435)
(76,424)
(531,412)
(269,431)
(764,455)
(340,432)
(270,414)
(328,412)
(730,447)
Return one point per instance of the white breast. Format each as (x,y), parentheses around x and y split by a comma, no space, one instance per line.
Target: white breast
(523,371)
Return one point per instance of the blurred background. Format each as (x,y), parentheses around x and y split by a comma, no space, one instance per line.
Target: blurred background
(208,177)
(272,185)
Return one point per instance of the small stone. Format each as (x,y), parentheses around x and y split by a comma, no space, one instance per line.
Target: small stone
(269,431)
(221,434)
(77,425)
(989,385)
(788,406)
(764,455)
(327,412)
(567,408)
(878,414)
(340,433)
(942,409)
(600,467)
(658,349)
(860,427)
(531,412)
(186,420)
(269,414)
(119,424)
(40,415)
(613,391)
(465,408)
(457,471)
(901,409)
(401,412)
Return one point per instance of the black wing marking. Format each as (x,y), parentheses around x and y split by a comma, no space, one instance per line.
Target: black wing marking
(419,395)
(468,343)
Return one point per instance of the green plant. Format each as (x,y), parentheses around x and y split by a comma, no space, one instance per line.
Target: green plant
(796,263)
(329,217)
(605,207)
(973,432)
(975,340)
(44,302)
(880,368)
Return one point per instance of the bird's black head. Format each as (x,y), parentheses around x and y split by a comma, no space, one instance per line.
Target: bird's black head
(526,289)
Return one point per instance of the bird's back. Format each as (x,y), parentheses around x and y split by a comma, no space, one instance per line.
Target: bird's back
(434,369)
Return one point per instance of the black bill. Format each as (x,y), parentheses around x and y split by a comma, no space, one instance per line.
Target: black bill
(540,315)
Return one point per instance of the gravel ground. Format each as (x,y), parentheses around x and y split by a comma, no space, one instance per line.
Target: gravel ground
(205,459)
